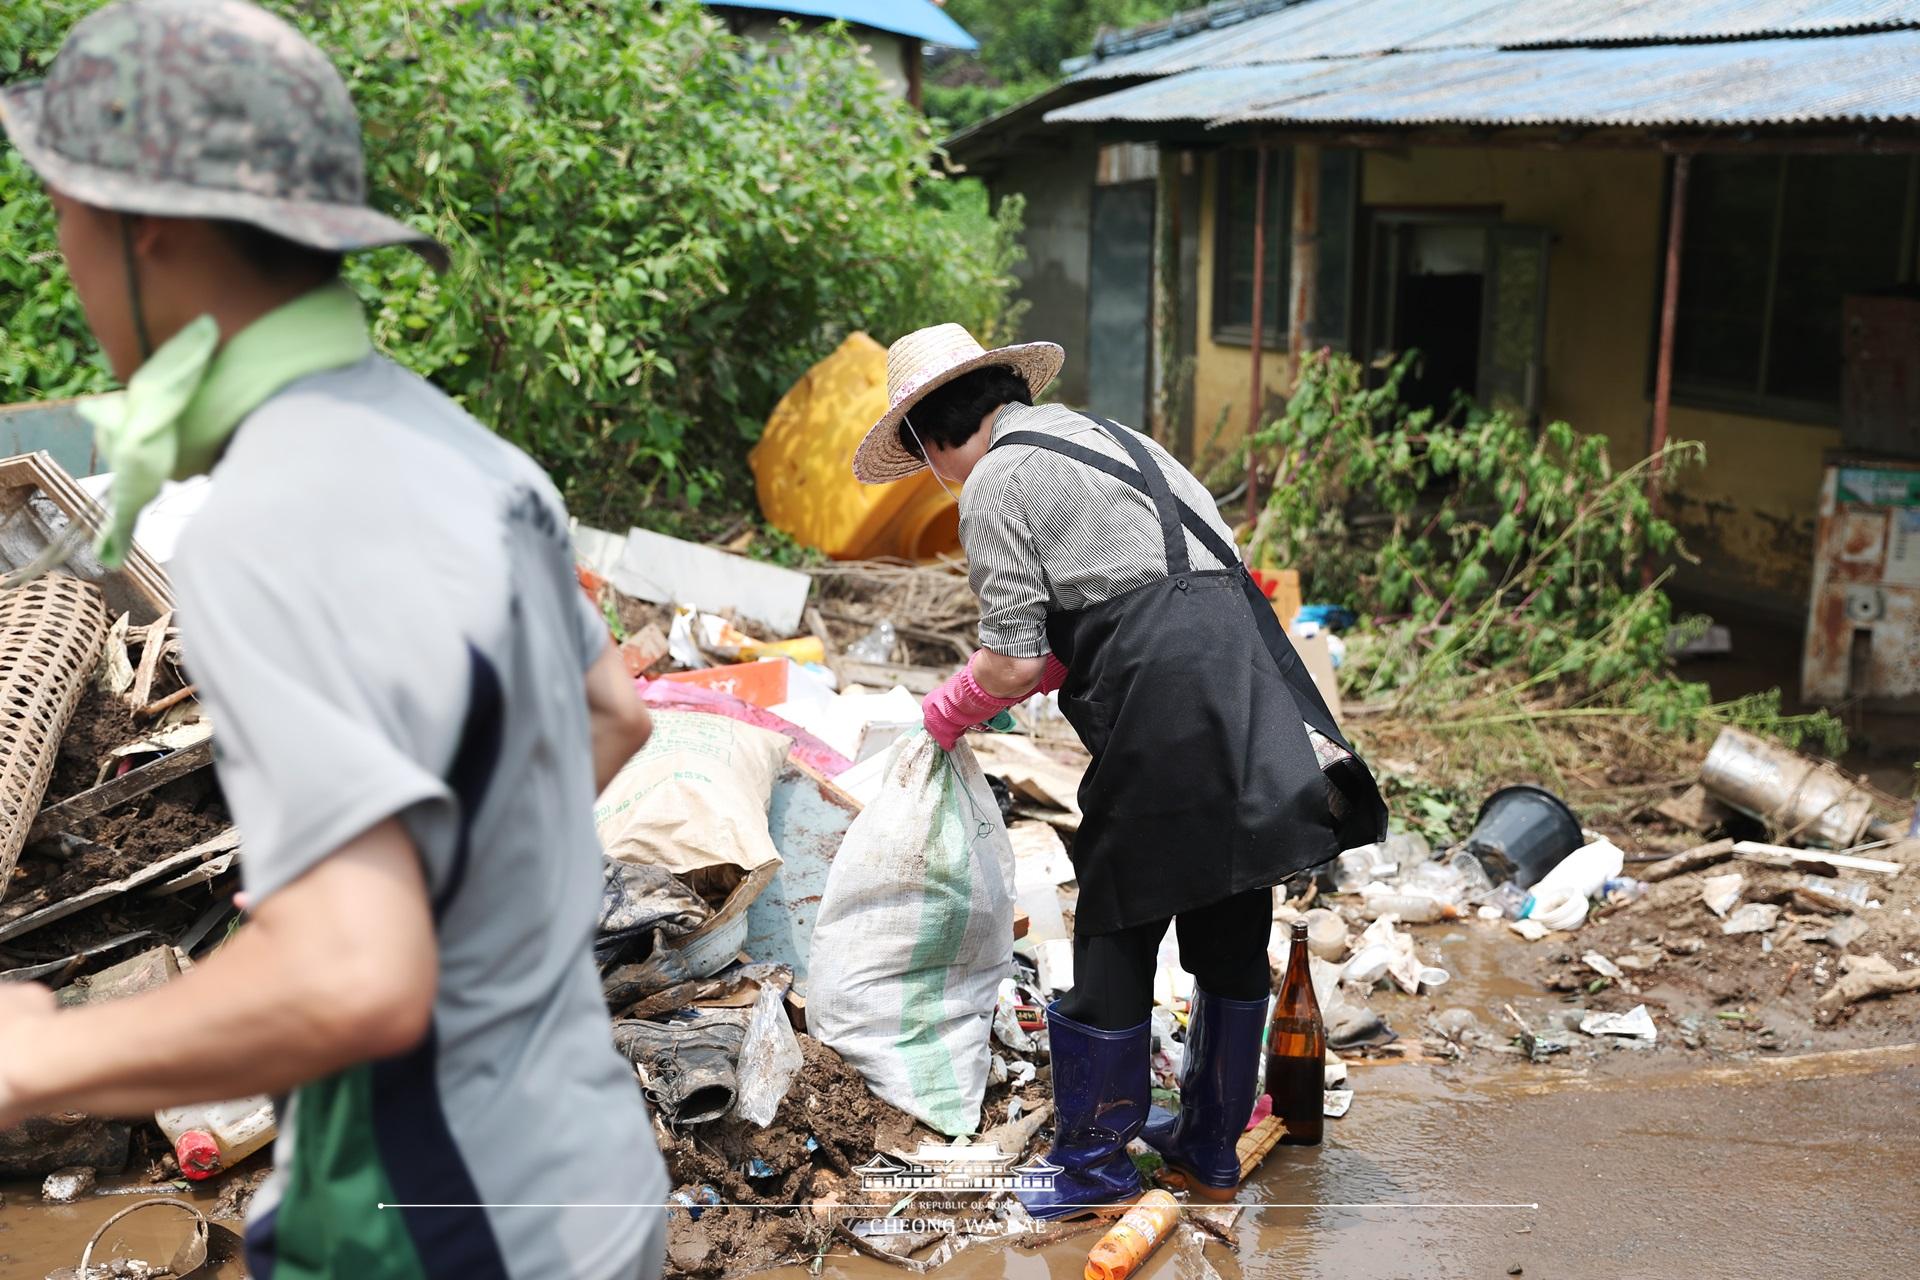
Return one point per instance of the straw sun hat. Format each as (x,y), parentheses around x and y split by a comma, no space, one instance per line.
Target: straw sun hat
(925,360)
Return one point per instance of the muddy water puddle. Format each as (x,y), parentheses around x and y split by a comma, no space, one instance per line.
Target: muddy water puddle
(37,1239)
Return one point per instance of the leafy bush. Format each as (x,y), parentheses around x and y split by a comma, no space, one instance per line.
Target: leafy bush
(1506,568)
(656,226)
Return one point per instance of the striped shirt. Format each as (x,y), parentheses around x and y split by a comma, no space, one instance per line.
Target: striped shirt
(1044,532)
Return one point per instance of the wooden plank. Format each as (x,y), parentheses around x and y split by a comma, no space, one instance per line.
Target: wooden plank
(1693,859)
(140,588)
(885,675)
(1694,809)
(1257,1143)
(151,650)
(1777,855)
(128,786)
(225,842)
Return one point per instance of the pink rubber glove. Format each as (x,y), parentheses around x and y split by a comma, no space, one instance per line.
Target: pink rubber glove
(960,704)
(1052,676)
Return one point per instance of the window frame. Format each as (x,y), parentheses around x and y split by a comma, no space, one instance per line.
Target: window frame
(1223,330)
(1757,403)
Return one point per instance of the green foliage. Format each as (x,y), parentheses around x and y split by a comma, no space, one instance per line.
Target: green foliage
(1505,568)
(656,226)
(1021,48)
(46,350)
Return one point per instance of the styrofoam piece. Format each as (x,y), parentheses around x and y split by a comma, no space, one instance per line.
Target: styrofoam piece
(667,570)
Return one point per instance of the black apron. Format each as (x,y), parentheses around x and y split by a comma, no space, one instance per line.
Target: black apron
(1189,696)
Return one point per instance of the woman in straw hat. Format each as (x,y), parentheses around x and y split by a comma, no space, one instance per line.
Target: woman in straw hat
(1104,571)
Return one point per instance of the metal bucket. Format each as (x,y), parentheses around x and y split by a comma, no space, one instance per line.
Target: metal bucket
(1522,833)
(1809,800)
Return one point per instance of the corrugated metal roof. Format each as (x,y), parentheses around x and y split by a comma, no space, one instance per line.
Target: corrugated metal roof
(1350,28)
(922,19)
(1874,77)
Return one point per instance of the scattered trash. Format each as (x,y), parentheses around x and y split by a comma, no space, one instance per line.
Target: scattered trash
(1337,1102)
(1601,965)
(64,1186)
(688,1063)
(1722,893)
(669,571)
(696,1201)
(1863,978)
(1752,917)
(1522,833)
(1830,894)
(1810,799)
(1560,908)
(209,1137)
(1635,1024)
(1130,1241)
(877,645)
(769,1058)
(1327,935)
(1842,934)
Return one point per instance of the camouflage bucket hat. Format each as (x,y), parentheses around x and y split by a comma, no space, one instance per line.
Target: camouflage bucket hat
(204,109)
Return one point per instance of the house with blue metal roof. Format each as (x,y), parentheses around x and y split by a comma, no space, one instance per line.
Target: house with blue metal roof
(896,31)
(1654,219)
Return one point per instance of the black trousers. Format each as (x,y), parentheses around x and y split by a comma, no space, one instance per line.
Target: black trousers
(1224,947)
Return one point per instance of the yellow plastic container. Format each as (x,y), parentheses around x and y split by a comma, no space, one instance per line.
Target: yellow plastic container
(803,468)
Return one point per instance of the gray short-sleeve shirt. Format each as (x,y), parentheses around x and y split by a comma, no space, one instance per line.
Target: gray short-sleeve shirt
(1044,532)
(378,602)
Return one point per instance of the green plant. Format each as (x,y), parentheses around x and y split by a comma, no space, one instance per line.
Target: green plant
(1505,574)
(656,226)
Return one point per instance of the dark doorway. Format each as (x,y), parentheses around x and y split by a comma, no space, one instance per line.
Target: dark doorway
(1120,295)
(1470,296)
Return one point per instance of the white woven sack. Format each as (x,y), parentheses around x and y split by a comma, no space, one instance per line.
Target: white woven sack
(914,934)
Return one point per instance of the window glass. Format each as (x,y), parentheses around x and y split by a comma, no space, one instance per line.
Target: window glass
(1840,221)
(1723,272)
(1233,287)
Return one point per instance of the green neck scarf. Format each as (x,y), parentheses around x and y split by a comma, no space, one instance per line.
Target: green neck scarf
(183,404)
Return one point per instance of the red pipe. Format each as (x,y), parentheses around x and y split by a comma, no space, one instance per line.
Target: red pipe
(1669,314)
(1254,396)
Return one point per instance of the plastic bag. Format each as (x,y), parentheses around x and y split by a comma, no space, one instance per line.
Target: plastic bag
(915,933)
(769,1058)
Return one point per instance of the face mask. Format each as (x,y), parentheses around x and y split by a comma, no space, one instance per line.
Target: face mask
(940,479)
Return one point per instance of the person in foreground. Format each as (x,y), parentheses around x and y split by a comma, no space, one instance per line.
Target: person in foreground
(1104,572)
(414,703)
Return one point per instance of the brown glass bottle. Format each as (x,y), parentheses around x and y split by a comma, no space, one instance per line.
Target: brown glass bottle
(1297,1050)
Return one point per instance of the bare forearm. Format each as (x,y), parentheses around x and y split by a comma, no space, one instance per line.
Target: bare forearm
(339,966)
(243,1022)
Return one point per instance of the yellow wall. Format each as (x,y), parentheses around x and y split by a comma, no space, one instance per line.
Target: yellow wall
(1749,512)
(1223,373)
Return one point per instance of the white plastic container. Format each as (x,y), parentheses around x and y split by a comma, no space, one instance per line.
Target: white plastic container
(1583,871)
(209,1137)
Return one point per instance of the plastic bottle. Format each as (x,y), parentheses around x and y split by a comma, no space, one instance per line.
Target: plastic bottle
(1134,1238)
(211,1136)
(1410,907)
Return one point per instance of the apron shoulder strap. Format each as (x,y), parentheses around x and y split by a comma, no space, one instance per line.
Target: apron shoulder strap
(1312,706)
(1205,534)
(1164,504)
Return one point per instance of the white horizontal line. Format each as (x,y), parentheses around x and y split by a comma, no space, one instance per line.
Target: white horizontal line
(856,1211)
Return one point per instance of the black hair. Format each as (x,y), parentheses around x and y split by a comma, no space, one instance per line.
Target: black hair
(276,257)
(948,416)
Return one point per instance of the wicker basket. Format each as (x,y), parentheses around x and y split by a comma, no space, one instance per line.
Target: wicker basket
(51,630)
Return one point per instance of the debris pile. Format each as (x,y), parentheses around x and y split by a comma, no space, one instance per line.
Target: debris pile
(1710,920)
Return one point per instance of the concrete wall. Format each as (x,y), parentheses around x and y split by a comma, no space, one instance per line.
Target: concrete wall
(888,51)
(1749,512)
(1053,279)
